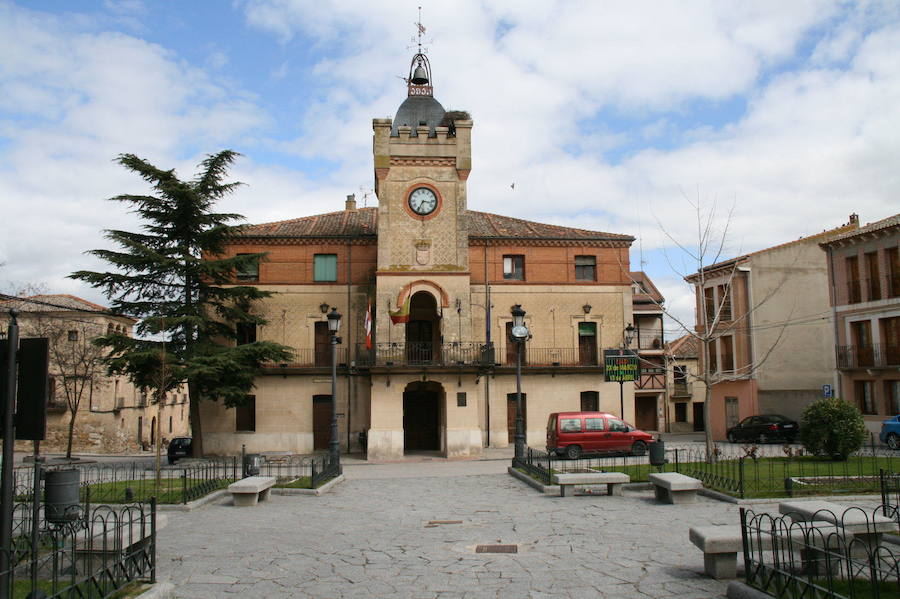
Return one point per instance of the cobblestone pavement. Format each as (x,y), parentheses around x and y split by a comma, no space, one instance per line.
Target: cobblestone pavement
(374,536)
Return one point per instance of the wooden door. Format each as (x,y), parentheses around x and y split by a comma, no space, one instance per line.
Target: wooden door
(587,344)
(645,413)
(698,417)
(421,420)
(321,421)
(323,342)
(511,417)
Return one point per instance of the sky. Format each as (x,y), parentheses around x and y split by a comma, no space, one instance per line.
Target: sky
(772,120)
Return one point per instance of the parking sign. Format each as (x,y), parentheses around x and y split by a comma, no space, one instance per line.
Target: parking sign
(827,391)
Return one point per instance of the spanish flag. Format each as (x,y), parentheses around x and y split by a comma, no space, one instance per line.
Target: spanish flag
(368,325)
(401,315)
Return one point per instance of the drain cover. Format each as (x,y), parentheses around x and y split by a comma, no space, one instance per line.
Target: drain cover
(444,522)
(496,549)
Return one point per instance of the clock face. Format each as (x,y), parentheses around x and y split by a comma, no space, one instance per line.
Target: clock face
(422,201)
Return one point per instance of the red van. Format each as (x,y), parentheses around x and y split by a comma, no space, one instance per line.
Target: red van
(573,433)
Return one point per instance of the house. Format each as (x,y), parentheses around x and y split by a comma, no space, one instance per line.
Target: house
(436,369)
(112,416)
(685,389)
(768,314)
(648,341)
(864,289)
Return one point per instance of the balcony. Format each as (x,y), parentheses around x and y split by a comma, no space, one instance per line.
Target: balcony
(648,341)
(425,354)
(651,378)
(311,358)
(868,356)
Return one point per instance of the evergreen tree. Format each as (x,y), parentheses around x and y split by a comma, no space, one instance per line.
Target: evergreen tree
(174,278)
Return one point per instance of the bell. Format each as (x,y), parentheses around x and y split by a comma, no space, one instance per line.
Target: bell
(419,77)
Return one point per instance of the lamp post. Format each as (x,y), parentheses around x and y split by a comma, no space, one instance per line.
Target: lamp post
(334,323)
(519,334)
(626,343)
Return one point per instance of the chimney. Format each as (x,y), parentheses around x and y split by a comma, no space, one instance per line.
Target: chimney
(351,203)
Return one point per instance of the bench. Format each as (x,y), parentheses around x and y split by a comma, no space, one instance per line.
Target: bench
(862,525)
(612,480)
(250,490)
(672,487)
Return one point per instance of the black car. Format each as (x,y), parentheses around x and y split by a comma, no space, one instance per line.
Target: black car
(179,447)
(764,428)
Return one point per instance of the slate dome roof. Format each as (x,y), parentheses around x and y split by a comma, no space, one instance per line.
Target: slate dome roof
(416,110)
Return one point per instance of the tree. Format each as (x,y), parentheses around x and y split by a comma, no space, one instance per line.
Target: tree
(174,277)
(76,362)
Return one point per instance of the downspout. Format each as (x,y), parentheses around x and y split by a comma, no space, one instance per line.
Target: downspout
(351,388)
(487,342)
(838,390)
(749,293)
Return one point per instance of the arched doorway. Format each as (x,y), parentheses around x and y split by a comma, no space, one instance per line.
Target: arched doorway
(423,417)
(423,331)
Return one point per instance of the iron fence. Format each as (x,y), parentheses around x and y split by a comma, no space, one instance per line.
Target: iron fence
(77,549)
(323,469)
(796,558)
(535,463)
(890,488)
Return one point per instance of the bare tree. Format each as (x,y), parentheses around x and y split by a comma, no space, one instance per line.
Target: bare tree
(77,364)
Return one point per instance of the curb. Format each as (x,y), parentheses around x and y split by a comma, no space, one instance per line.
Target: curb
(739,590)
(191,505)
(320,491)
(161,590)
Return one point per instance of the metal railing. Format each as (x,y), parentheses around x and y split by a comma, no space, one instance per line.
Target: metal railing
(649,341)
(80,550)
(322,469)
(682,389)
(425,354)
(868,356)
(792,558)
(310,358)
(890,488)
(536,463)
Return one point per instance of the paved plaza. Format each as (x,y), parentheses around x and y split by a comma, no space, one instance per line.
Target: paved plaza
(377,535)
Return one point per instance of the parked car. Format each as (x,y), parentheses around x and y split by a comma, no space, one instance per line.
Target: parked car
(890,432)
(572,433)
(764,428)
(179,447)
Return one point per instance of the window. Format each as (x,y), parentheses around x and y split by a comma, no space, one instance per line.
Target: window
(245,332)
(709,300)
(713,358)
(593,424)
(873,284)
(852,271)
(727,353)
(245,415)
(590,401)
(461,399)
(249,271)
(514,267)
(892,258)
(617,426)
(170,425)
(73,335)
(325,267)
(585,268)
(861,332)
(570,425)
(724,299)
(892,393)
(681,412)
(865,398)
(679,377)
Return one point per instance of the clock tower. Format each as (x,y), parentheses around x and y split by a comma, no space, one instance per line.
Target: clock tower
(422,161)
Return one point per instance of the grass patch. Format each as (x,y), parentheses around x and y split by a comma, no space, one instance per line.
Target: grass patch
(304,482)
(169,492)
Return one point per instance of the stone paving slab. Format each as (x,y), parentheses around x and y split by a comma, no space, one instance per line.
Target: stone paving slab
(370,537)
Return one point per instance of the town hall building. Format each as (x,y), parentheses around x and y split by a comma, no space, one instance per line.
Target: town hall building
(425,287)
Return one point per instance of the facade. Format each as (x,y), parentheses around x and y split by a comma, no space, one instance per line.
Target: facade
(685,391)
(437,371)
(864,277)
(113,416)
(770,313)
(650,412)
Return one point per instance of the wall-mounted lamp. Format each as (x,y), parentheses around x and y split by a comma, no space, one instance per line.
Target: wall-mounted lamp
(586,308)
(629,334)
(323,308)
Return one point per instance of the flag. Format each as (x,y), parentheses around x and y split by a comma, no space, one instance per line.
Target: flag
(401,315)
(368,325)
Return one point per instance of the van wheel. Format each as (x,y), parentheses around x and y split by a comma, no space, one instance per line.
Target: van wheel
(573,452)
(639,448)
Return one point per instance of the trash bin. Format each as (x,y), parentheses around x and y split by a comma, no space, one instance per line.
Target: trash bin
(252,463)
(658,453)
(61,497)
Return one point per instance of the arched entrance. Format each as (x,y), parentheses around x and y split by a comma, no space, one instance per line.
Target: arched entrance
(423,331)
(423,417)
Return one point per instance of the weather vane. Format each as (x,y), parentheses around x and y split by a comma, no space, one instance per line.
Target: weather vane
(417,39)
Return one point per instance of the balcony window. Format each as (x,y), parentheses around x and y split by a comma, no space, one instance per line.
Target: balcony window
(865,398)
(680,379)
(852,271)
(325,268)
(245,332)
(709,302)
(249,271)
(727,343)
(892,393)
(892,258)
(724,302)
(585,268)
(873,285)
(514,267)
(713,358)
(862,340)
(245,415)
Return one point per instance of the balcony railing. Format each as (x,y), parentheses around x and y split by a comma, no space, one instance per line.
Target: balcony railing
(425,354)
(649,341)
(311,358)
(651,378)
(868,356)
(681,389)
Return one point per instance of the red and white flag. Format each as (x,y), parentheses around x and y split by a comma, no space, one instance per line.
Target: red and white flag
(368,325)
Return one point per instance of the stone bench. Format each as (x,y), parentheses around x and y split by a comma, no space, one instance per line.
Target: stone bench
(672,487)
(250,490)
(859,524)
(612,480)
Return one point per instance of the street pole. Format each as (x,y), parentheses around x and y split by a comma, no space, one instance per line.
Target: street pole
(334,447)
(520,424)
(9,438)
(621,400)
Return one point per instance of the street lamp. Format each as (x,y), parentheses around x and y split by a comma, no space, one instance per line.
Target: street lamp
(629,335)
(626,342)
(334,323)
(519,334)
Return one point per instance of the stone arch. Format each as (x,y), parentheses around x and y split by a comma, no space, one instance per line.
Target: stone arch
(440,295)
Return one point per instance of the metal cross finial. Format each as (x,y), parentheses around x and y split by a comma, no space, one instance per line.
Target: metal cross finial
(420,29)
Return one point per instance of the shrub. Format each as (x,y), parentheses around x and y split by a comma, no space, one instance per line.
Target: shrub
(832,428)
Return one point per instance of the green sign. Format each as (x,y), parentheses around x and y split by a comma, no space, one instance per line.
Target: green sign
(621,365)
